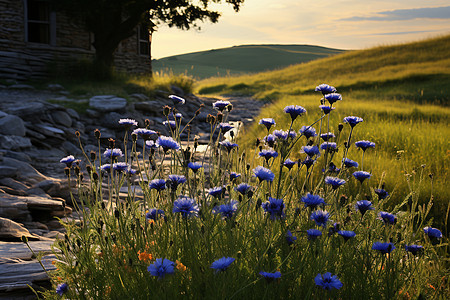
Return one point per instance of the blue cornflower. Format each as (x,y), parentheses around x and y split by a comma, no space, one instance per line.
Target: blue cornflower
(352,120)
(157,184)
(177,100)
(289,163)
(234,175)
(221,105)
(217,191)
(328,146)
(175,180)
(270,276)
(68,160)
(414,249)
(333,97)
(186,206)
(128,122)
(327,136)
(384,248)
(326,109)
(176,117)
(334,181)
(194,166)
(270,140)
(311,150)
(268,154)
(308,131)
(312,201)
(268,122)
(228,145)
(328,281)
(167,143)
(161,267)
(144,133)
(131,171)
(290,239)
(363,206)
(361,175)
(364,145)
(263,174)
(350,163)
(171,124)
(433,232)
(150,144)
(243,188)
(120,166)
(382,194)
(154,213)
(387,217)
(294,111)
(347,234)
(226,210)
(308,162)
(62,288)
(222,263)
(105,167)
(320,217)
(111,153)
(313,234)
(283,135)
(275,207)
(224,127)
(325,89)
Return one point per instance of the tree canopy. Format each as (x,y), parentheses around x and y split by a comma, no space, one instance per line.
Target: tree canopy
(112,21)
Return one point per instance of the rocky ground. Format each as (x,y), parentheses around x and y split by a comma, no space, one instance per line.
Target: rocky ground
(35,133)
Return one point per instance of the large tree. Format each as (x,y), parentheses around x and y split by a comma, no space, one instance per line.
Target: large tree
(112,21)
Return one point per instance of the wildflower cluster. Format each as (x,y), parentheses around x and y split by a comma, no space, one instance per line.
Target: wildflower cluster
(281,220)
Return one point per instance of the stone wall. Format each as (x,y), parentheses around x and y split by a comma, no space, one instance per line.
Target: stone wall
(21,60)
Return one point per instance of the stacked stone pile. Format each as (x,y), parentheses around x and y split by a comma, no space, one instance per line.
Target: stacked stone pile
(35,133)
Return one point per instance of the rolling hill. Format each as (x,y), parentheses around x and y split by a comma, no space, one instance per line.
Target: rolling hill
(240,60)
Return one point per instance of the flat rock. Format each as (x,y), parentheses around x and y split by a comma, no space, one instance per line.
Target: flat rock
(62,118)
(26,173)
(106,103)
(6,171)
(12,231)
(12,125)
(27,109)
(154,107)
(140,97)
(17,275)
(14,142)
(48,130)
(19,86)
(55,87)
(21,251)
(73,113)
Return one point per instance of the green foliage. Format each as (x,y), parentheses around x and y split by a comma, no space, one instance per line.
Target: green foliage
(240,60)
(392,88)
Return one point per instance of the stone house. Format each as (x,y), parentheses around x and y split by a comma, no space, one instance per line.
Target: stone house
(34,39)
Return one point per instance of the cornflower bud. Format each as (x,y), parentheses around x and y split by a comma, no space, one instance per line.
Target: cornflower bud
(93,155)
(219,117)
(147,123)
(97,134)
(166,110)
(112,143)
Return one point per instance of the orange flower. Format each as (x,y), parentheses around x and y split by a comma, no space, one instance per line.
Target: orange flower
(180,266)
(145,256)
(53,262)
(431,286)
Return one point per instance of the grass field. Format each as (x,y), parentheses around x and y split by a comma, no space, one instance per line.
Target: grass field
(401,92)
(240,60)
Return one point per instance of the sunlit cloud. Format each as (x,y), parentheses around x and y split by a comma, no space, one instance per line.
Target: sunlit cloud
(406,14)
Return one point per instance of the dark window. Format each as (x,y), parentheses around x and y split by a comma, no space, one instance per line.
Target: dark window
(38,16)
(144,41)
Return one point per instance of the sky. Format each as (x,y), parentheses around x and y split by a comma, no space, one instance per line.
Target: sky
(342,24)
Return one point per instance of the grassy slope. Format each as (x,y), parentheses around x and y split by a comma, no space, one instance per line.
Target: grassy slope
(240,59)
(401,92)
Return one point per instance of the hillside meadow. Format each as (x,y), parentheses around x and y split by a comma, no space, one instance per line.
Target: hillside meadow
(401,92)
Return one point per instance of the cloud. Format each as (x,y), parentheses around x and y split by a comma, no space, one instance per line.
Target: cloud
(403,32)
(406,14)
